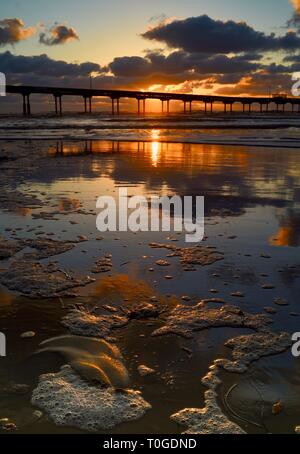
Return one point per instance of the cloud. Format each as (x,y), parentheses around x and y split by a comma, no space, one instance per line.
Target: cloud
(128,66)
(295,20)
(42,65)
(45,71)
(41,70)
(189,66)
(205,55)
(178,71)
(58,34)
(260,83)
(292,59)
(203,34)
(12,31)
(185,72)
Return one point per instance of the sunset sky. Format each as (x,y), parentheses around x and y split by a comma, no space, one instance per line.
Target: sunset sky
(200,46)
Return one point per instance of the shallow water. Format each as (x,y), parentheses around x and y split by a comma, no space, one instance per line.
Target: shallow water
(252,205)
(272,129)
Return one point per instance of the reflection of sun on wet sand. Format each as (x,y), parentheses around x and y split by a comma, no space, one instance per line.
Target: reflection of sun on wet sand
(24,211)
(69,204)
(6,298)
(289,231)
(129,290)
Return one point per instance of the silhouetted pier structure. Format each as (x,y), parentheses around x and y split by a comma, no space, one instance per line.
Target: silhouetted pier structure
(208,101)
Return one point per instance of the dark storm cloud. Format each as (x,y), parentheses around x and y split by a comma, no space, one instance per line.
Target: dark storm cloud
(125,72)
(203,34)
(152,63)
(180,62)
(251,56)
(128,66)
(229,78)
(292,58)
(59,34)
(42,65)
(201,71)
(258,84)
(12,31)
(221,64)
(43,70)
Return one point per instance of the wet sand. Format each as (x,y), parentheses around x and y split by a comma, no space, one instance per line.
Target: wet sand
(49,189)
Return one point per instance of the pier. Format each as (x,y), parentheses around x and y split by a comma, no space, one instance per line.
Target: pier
(207,101)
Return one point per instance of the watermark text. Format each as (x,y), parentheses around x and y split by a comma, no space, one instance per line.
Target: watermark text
(296,86)
(2,344)
(155,214)
(296,345)
(2,84)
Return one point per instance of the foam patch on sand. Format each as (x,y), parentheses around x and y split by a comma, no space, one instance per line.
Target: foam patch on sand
(246,349)
(85,324)
(251,347)
(191,256)
(9,248)
(45,247)
(41,281)
(185,320)
(210,419)
(42,247)
(103,265)
(71,401)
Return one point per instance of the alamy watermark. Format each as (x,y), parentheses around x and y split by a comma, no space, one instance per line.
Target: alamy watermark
(296,86)
(296,345)
(154,214)
(2,84)
(2,344)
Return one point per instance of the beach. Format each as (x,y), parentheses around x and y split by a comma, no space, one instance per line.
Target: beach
(60,276)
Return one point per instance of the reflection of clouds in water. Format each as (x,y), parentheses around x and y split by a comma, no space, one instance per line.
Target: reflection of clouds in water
(69,204)
(129,289)
(261,167)
(289,230)
(6,298)
(229,177)
(24,211)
